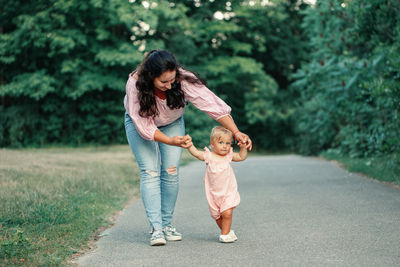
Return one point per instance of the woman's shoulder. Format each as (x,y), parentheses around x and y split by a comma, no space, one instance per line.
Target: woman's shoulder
(133,75)
(185,75)
(131,83)
(182,70)
(189,79)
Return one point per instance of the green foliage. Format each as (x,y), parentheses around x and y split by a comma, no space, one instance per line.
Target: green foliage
(65,64)
(238,55)
(349,90)
(64,67)
(35,85)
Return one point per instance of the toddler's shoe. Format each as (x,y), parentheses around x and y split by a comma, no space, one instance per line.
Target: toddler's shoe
(232,234)
(226,238)
(171,234)
(157,238)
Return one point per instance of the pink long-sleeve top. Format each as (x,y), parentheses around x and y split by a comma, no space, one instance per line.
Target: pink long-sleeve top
(199,95)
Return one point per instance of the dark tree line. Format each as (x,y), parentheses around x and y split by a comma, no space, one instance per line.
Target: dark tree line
(298,76)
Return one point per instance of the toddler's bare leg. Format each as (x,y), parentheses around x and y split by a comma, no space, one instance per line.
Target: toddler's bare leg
(218,221)
(226,221)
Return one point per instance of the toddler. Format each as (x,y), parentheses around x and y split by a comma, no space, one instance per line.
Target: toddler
(219,180)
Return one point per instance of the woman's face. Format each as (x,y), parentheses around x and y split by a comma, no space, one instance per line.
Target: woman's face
(165,80)
(222,144)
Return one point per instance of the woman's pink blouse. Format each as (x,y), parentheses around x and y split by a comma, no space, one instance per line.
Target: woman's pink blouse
(199,95)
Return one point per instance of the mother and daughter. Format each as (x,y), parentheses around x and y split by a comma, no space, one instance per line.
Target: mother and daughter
(155,100)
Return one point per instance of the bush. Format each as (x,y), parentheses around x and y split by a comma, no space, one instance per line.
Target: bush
(350,88)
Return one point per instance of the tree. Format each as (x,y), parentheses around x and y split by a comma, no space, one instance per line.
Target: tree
(64,64)
(349,90)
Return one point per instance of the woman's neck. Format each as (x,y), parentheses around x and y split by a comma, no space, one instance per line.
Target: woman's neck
(160,94)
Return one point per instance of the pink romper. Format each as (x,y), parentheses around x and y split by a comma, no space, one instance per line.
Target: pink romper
(220,184)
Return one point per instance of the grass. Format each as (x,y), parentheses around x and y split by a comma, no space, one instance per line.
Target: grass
(53,200)
(384,168)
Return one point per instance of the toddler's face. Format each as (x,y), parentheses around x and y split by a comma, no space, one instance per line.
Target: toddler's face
(222,144)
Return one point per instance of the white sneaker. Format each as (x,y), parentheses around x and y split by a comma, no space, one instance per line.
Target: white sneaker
(232,234)
(171,234)
(157,238)
(226,238)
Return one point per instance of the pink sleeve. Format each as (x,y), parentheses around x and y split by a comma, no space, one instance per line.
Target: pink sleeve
(145,126)
(205,100)
(207,155)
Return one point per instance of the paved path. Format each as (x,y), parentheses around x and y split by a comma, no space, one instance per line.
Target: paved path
(295,211)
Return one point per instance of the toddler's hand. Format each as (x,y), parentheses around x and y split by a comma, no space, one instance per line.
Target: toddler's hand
(241,144)
(188,141)
(187,138)
(188,144)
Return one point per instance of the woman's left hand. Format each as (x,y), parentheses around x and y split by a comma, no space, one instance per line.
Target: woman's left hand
(244,138)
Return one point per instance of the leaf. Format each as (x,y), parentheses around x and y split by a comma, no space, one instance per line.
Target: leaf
(352,81)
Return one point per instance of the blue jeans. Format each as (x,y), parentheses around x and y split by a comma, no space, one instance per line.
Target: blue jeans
(159,171)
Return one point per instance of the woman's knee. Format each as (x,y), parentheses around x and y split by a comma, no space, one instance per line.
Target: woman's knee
(170,174)
(172,170)
(149,175)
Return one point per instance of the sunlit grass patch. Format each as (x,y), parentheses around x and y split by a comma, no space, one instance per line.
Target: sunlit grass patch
(383,168)
(54,199)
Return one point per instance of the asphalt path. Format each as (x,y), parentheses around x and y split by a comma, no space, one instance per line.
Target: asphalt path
(294,211)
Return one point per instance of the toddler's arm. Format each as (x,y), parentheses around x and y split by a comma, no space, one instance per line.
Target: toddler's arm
(242,155)
(196,153)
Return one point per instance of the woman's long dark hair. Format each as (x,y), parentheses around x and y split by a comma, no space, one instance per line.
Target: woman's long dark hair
(154,64)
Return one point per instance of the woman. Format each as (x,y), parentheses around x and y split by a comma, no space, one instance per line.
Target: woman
(155,102)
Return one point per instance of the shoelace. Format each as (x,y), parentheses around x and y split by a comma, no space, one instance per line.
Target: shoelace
(156,235)
(172,230)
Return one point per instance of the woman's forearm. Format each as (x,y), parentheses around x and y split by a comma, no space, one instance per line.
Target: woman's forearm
(172,141)
(228,123)
(161,137)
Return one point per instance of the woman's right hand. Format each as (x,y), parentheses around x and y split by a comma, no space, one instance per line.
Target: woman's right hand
(244,138)
(182,141)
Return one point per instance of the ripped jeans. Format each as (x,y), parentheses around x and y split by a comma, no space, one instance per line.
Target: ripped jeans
(159,171)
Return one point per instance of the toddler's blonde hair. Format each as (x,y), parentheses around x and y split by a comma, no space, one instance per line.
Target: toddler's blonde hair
(217,131)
